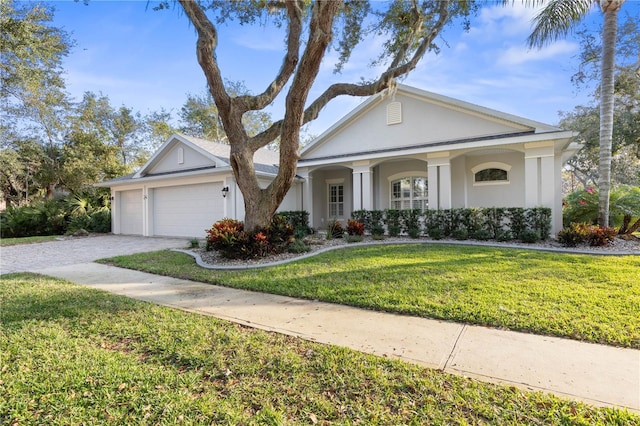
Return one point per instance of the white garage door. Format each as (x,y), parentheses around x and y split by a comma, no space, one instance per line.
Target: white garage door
(187,210)
(131,212)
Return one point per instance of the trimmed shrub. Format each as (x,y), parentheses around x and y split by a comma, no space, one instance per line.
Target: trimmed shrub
(460,234)
(299,246)
(393,219)
(436,233)
(481,235)
(529,236)
(299,220)
(414,232)
(504,236)
(354,238)
(539,220)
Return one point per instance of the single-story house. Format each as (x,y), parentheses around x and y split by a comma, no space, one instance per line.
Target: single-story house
(406,149)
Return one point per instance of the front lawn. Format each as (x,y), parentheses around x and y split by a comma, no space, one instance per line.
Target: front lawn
(74,355)
(591,298)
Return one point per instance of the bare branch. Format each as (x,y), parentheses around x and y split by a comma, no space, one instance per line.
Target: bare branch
(247,102)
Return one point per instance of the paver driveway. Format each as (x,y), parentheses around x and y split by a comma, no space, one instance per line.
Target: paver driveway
(72,250)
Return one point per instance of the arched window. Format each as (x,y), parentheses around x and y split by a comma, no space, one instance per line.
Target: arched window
(409,192)
(492,173)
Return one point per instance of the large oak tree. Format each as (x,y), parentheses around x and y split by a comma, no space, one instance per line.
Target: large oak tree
(409,27)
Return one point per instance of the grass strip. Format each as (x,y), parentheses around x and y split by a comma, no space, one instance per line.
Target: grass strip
(26,240)
(74,355)
(582,297)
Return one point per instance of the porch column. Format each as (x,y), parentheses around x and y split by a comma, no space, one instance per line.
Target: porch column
(439,180)
(539,187)
(307,193)
(362,185)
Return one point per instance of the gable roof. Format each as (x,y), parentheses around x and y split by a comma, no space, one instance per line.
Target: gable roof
(264,160)
(514,126)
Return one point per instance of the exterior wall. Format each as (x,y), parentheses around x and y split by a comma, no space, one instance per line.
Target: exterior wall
(320,214)
(422,122)
(384,171)
(510,194)
(191,159)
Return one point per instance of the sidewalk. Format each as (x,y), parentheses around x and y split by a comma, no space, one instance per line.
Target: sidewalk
(596,374)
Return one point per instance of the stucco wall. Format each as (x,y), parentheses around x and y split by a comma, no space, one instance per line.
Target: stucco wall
(499,195)
(191,160)
(422,122)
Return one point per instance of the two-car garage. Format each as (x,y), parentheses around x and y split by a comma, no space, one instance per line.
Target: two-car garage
(172,211)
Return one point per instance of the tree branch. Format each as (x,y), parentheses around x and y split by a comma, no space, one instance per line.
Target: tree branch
(258,102)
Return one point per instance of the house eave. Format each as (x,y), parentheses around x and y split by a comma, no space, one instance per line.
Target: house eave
(431,147)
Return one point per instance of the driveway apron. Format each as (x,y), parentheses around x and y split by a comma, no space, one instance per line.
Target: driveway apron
(74,250)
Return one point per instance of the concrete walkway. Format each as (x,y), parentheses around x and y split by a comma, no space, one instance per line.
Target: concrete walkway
(597,374)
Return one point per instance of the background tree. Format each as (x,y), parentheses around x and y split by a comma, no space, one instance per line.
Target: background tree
(625,163)
(409,28)
(557,19)
(199,116)
(32,89)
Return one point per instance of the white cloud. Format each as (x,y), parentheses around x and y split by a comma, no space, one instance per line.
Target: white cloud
(517,55)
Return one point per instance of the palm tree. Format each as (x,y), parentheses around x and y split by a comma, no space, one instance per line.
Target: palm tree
(557,19)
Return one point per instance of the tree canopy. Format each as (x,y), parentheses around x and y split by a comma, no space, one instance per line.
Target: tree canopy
(408,30)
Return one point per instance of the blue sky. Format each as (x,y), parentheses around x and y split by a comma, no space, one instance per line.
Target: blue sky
(145,60)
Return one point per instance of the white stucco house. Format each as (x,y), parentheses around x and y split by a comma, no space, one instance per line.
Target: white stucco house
(406,149)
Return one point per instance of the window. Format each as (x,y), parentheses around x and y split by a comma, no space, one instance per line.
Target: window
(336,200)
(409,193)
(491,175)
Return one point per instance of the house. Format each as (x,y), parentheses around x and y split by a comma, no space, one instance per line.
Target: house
(406,149)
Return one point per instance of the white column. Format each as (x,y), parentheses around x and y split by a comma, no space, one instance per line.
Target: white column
(439,175)
(362,185)
(367,189)
(445,185)
(547,181)
(147,212)
(539,170)
(307,193)
(531,179)
(115,211)
(357,190)
(432,176)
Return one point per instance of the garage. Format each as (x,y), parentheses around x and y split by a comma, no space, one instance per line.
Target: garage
(186,210)
(130,212)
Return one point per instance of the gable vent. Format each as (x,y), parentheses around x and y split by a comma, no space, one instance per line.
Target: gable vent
(394,113)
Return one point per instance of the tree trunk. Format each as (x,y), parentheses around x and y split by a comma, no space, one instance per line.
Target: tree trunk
(610,10)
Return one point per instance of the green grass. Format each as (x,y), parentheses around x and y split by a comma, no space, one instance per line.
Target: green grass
(26,240)
(73,355)
(590,298)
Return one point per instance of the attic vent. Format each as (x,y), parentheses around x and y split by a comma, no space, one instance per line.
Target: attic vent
(394,113)
(180,155)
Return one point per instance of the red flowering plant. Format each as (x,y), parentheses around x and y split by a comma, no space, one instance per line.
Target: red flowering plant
(355,228)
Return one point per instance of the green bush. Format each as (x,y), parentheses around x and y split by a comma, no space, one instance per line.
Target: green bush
(529,236)
(299,220)
(299,246)
(414,232)
(481,235)
(436,233)
(460,234)
(393,219)
(504,236)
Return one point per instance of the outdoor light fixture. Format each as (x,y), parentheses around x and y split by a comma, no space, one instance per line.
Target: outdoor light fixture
(225,191)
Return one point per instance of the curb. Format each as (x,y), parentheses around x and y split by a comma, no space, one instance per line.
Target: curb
(205,265)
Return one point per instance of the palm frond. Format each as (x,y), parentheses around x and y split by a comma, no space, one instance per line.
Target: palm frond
(557,19)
